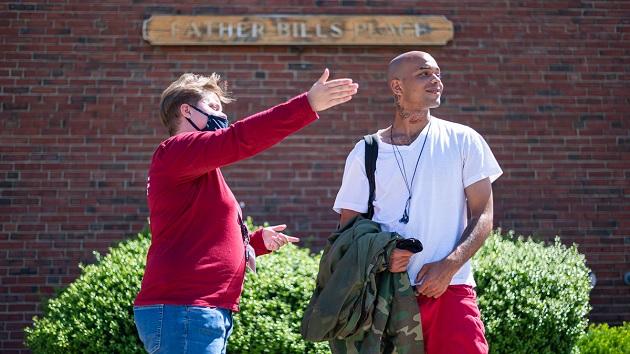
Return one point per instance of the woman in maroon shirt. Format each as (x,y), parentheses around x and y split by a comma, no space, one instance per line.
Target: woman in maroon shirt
(200,246)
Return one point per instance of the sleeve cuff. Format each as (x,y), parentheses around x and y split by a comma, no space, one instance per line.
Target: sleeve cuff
(305,106)
(359,208)
(256,241)
(493,175)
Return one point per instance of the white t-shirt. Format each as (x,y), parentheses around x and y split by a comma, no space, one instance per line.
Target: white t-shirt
(455,156)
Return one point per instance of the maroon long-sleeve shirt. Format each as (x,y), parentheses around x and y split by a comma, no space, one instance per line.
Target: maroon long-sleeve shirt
(197,255)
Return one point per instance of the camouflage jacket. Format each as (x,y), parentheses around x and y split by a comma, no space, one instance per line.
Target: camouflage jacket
(359,306)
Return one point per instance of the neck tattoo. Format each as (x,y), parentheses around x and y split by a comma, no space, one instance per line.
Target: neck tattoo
(409,184)
(401,111)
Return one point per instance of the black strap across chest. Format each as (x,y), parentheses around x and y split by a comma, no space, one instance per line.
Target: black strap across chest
(371,154)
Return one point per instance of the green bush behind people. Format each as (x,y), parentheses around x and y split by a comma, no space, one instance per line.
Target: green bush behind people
(602,339)
(533,299)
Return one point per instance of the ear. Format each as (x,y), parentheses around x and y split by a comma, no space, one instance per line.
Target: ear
(394,85)
(184,110)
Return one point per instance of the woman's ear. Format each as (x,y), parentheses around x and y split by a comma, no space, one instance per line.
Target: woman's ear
(184,110)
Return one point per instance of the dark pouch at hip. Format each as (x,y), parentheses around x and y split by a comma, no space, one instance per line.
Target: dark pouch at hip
(409,244)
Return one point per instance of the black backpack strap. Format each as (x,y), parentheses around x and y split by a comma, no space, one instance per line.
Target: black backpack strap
(371,154)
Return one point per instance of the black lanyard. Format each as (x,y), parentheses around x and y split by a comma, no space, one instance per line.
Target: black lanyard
(403,171)
(244,235)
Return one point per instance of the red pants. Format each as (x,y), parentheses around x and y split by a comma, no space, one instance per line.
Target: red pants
(451,324)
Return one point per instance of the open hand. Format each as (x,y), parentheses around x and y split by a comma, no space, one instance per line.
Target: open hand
(325,94)
(274,239)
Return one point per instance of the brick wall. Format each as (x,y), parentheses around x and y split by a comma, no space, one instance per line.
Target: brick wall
(546,82)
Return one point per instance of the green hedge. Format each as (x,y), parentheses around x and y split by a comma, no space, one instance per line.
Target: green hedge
(274,301)
(533,299)
(94,314)
(602,339)
(273,304)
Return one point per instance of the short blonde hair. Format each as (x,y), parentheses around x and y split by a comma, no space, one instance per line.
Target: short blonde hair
(189,89)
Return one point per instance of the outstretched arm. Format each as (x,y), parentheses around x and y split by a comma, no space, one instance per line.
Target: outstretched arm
(199,153)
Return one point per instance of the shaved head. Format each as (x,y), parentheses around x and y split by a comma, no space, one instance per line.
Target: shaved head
(403,64)
(414,79)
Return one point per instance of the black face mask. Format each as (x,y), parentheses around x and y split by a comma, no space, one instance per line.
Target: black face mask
(214,122)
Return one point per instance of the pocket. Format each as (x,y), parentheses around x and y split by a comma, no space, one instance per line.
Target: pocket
(462,291)
(210,321)
(149,325)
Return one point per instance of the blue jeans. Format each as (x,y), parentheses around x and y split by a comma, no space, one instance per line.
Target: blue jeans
(183,329)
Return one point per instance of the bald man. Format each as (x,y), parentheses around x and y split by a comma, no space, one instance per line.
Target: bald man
(433,183)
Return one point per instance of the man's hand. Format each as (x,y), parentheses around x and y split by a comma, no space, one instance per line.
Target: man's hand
(274,239)
(434,278)
(398,260)
(325,94)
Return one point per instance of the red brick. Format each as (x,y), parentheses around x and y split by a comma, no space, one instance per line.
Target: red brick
(80,122)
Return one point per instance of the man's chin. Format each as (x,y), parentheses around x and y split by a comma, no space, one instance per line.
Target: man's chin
(435,104)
